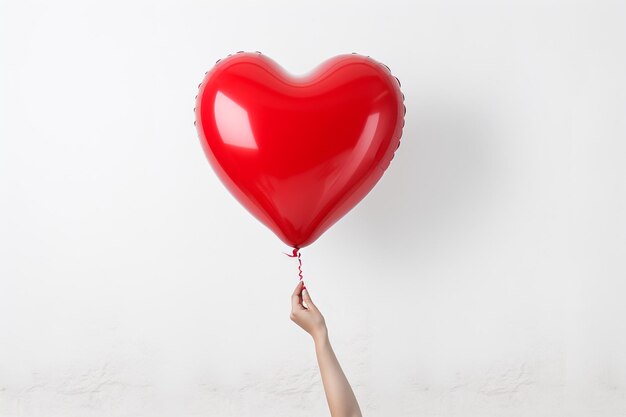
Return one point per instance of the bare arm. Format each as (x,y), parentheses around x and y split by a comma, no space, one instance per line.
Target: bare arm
(341,399)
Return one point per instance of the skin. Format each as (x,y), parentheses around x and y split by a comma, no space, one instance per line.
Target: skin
(339,394)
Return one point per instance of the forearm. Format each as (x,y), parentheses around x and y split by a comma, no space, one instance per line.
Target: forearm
(339,394)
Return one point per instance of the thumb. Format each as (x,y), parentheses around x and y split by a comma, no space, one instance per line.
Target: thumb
(307,298)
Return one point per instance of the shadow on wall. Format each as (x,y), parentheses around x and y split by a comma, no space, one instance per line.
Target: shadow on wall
(438,187)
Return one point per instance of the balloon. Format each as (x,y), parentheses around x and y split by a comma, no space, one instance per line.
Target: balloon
(299,152)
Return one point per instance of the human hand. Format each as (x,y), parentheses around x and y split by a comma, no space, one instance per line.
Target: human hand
(305,314)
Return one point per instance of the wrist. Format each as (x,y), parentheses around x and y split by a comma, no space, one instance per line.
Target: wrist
(321,336)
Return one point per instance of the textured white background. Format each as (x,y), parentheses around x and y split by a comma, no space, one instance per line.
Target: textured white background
(485,275)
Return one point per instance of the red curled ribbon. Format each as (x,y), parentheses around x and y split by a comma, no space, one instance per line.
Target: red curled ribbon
(296,254)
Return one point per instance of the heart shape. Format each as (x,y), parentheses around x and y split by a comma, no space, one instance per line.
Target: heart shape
(299,152)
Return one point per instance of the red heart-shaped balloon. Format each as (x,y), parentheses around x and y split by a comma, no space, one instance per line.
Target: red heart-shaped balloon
(299,152)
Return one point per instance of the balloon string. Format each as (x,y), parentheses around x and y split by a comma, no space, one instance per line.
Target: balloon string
(296,254)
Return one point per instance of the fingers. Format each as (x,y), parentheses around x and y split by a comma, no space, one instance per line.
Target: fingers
(298,289)
(307,298)
(296,298)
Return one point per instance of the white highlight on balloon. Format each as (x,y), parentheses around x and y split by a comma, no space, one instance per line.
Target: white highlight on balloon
(365,140)
(233,122)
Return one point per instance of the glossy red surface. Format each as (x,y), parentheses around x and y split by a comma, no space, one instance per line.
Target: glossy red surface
(299,152)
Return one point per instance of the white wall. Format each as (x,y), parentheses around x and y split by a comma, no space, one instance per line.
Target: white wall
(485,275)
